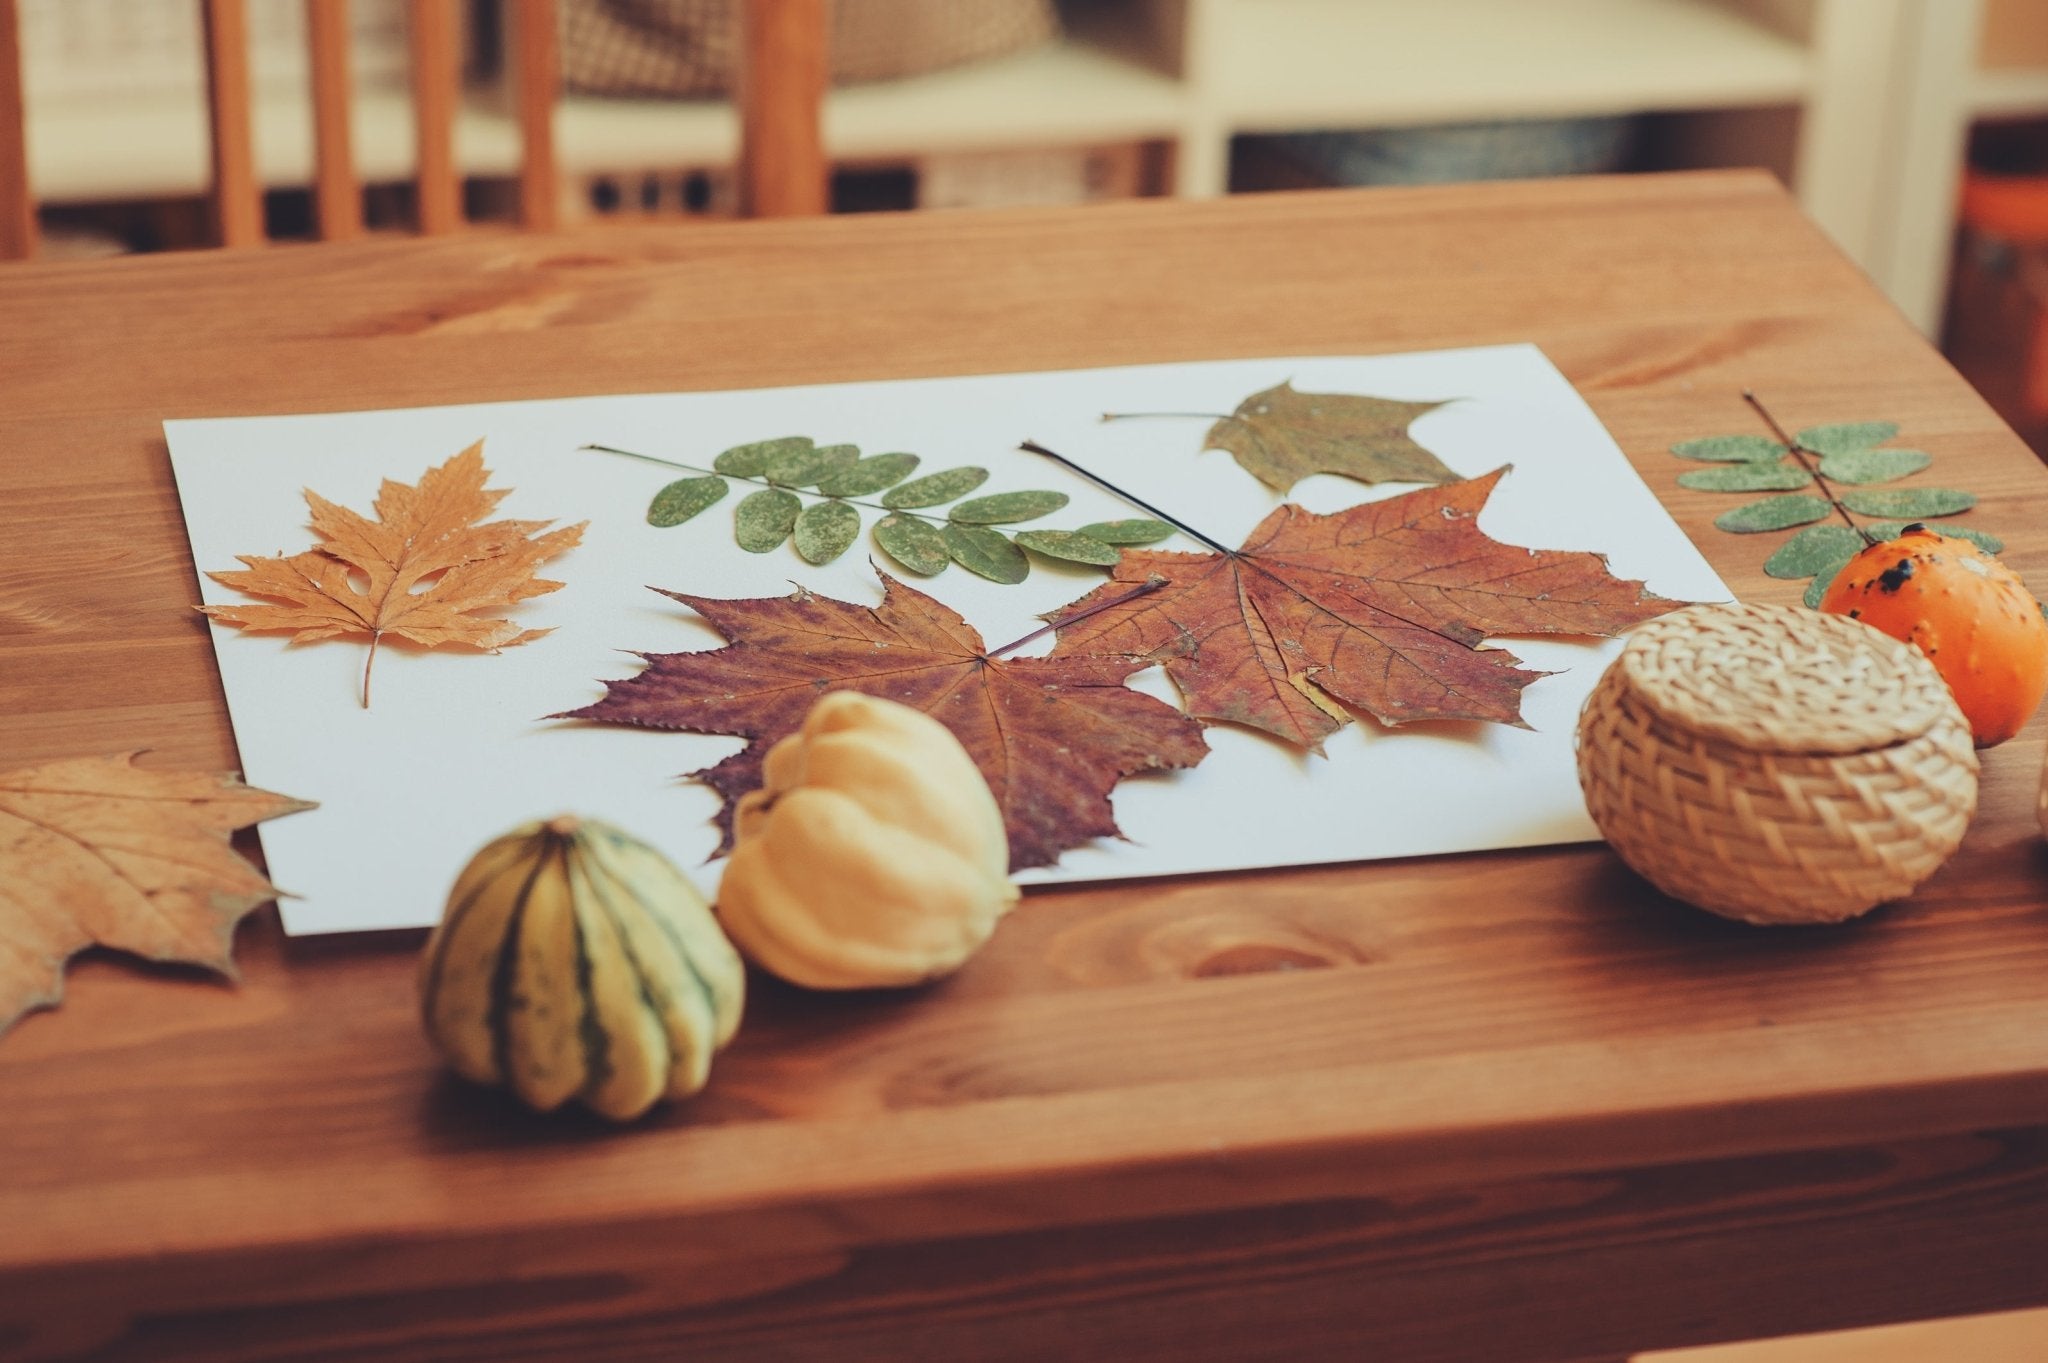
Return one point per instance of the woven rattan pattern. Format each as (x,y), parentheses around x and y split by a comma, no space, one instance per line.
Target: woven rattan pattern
(1775,836)
(1783,679)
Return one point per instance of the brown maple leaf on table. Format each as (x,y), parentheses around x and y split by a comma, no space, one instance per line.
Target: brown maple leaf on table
(1281,436)
(99,851)
(424,570)
(1052,737)
(1381,608)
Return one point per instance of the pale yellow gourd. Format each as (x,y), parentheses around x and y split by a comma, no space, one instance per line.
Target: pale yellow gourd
(873,854)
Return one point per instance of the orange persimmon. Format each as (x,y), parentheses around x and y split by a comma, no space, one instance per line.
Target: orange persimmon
(1970,614)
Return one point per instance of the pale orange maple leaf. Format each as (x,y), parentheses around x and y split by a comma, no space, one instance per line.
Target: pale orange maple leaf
(424,570)
(97,850)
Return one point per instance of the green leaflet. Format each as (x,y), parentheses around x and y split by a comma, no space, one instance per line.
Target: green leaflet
(1748,477)
(866,477)
(914,543)
(684,498)
(1872,466)
(1910,503)
(750,461)
(824,530)
(1812,549)
(1006,507)
(1127,531)
(801,468)
(763,520)
(1846,437)
(986,552)
(1072,545)
(1773,513)
(934,488)
(1729,449)
(1887,530)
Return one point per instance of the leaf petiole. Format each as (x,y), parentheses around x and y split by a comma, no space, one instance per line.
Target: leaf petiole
(1801,453)
(1034,447)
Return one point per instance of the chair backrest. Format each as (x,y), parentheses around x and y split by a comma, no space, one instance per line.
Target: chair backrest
(781,86)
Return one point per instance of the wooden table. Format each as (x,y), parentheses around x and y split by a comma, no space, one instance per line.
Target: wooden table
(1509,1106)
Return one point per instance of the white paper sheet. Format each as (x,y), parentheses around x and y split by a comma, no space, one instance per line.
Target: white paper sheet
(455,749)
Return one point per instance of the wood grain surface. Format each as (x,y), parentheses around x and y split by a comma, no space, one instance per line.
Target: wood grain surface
(1507,1106)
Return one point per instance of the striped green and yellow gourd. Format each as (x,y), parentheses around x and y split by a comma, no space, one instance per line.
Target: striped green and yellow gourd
(576,962)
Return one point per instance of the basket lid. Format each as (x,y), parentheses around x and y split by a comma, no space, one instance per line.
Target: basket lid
(1783,679)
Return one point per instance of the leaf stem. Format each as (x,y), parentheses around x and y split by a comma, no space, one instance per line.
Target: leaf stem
(1035,448)
(1800,452)
(1150,584)
(368,663)
(764,482)
(1197,416)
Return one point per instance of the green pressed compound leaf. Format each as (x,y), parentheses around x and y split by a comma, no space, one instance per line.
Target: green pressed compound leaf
(935,488)
(750,461)
(865,477)
(1910,503)
(1730,449)
(1071,545)
(763,520)
(684,498)
(1773,513)
(914,543)
(1891,530)
(986,553)
(801,468)
(1846,437)
(1812,549)
(824,530)
(1872,466)
(1747,477)
(1127,531)
(1006,507)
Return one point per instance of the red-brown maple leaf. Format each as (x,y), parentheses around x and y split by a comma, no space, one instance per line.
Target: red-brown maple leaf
(1052,737)
(1382,607)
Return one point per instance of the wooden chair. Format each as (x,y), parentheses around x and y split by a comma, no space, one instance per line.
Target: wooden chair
(782,81)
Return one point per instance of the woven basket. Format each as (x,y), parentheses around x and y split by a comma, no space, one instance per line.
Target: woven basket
(689,48)
(1775,764)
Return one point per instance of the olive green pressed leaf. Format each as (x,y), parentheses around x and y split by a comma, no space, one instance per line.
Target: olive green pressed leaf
(1282,435)
(1812,549)
(1731,449)
(750,461)
(1773,513)
(865,477)
(986,553)
(1910,503)
(934,488)
(1872,466)
(684,498)
(1071,545)
(1749,477)
(763,520)
(1891,530)
(914,543)
(801,468)
(824,530)
(1846,437)
(1137,531)
(1005,508)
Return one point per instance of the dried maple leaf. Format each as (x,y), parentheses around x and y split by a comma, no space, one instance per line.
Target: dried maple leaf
(97,850)
(1052,738)
(424,570)
(1282,436)
(1381,607)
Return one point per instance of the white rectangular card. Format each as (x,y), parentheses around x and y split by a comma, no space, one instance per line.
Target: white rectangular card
(456,747)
